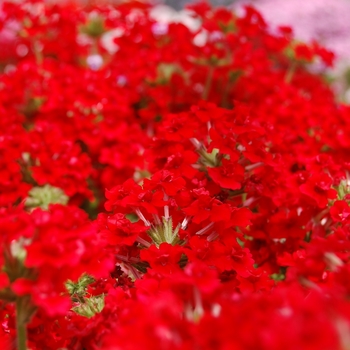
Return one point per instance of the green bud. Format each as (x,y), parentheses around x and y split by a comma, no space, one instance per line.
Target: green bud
(42,197)
(95,27)
(90,307)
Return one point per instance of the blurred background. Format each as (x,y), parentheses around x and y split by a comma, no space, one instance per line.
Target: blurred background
(326,21)
(179,4)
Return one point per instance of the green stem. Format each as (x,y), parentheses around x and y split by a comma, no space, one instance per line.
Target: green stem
(290,73)
(39,58)
(21,325)
(208,83)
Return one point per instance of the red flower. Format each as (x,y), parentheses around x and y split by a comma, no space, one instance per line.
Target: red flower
(318,188)
(229,175)
(165,259)
(118,230)
(340,211)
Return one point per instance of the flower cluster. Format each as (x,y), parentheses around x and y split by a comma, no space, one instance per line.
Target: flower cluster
(169,185)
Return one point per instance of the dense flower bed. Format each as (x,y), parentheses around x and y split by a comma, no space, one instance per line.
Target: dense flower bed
(169,186)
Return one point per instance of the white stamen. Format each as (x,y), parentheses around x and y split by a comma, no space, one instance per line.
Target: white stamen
(185,222)
(157,219)
(213,236)
(166,207)
(323,221)
(333,261)
(143,242)
(248,202)
(141,217)
(196,143)
(216,310)
(166,212)
(253,166)
(134,260)
(122,257)
(205,229)
(209,125)
(134,272)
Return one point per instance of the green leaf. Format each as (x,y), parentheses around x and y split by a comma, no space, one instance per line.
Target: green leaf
(90,307)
